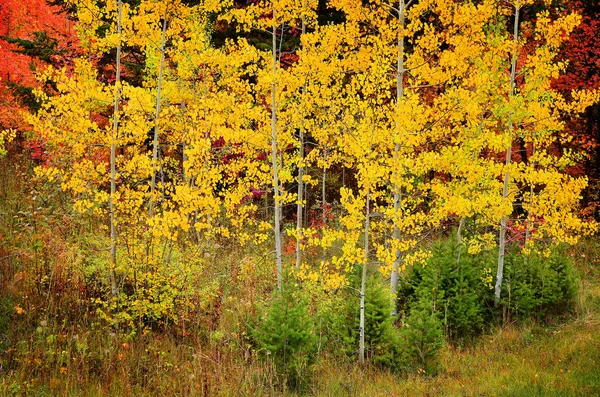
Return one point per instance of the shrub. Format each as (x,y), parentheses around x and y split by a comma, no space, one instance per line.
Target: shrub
(461,295)
(453,293)
(539,284)
(383,342)
(423,333)
(285,333)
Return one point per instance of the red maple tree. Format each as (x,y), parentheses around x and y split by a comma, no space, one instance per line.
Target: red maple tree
(582,52)
(32,33)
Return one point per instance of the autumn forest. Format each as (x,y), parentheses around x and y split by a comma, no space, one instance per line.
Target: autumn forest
(299,197)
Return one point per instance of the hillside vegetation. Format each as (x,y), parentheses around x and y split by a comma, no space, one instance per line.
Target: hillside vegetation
(299,197)
(56,340)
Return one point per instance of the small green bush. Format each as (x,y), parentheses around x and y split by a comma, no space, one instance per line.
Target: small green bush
(383,342)
(285,333)
(453,292)
(537,284)
(461,294)
(423,333)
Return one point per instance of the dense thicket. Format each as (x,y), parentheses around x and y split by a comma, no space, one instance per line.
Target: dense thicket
(413,168)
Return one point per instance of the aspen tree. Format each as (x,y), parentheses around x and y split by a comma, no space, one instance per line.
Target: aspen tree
(363,280)
(281,12)
(113,151)
(361,110)
(502,237)
(397,190)
(466,185)
(407,118)
(552,215)
(300,205)
(159,83)
(274,165)
(364,141)
(77,119)
(534,111)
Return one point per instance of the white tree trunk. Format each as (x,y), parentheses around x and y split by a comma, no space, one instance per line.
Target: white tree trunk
(300,206)
(363,283)
(528,222)
(276,189)
(156,116)
(502,238)
(113,155)
(323,193)
(397,193)
(459,241)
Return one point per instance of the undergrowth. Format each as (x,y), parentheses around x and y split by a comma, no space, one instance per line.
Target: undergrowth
(220,329)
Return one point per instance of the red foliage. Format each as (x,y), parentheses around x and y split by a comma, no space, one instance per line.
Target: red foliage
(516,230)
(317,220)
(582,51)
(21,19)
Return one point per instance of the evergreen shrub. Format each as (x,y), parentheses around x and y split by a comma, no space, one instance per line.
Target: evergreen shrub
(539,284)
(384,345)
(285,333)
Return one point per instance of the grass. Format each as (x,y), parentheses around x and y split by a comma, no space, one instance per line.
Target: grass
(514,361)
(560,359)
(52,343)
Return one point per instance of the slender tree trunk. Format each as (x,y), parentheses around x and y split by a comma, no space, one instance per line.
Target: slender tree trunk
(184,157)
(323,191)
(113,155)
(528,221)
(184,160)
(397,190)
(156,115)
(363,282)
(325,153)
(300,207)
(208,239)
(276,190)
(459,241)
(502,239)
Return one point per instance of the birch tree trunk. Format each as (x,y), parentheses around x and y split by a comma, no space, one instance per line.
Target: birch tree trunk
(324,155)
(502,238)
(113,155)
(397,193)
(156,116)
(184,157)
(323,193)
(528,222)
(459,241)
(363,282)
(276,190)
(113,159)
(300,206)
